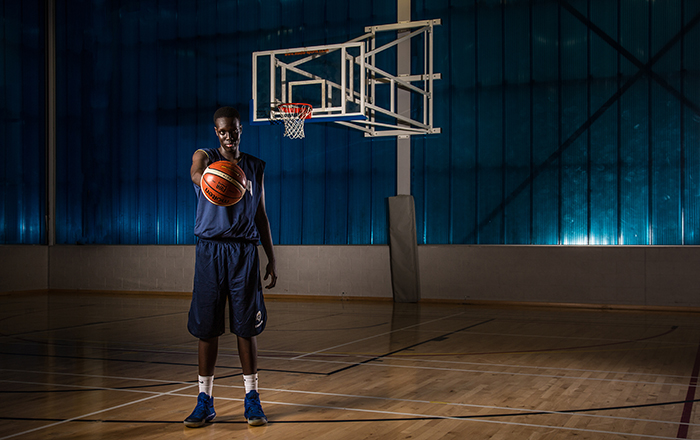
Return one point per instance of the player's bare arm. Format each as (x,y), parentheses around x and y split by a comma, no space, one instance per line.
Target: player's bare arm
(263,224)
(200,161)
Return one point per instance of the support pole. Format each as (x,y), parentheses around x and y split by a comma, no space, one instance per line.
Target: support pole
(402,217)
(50,70)
(403,103)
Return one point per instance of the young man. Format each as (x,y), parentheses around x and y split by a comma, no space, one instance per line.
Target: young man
(227,268)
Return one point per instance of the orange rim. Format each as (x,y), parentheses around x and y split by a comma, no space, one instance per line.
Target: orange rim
(296,107)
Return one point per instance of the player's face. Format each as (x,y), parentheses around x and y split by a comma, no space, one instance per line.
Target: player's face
(228,130)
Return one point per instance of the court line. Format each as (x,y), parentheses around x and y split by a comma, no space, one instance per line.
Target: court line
(551,350)
(142,361)
(526,411)
(402,359)
(367,362)
(93,358)
(393,413)
(688,407)
(351,365)
(377,335)
(523,411)
(476,419)
(86,324)
(94,376)
(569,338)
(473,419)
(582,370)
(95,412)
(436,338)
(404,349)
(554,376)
(569,349)
(99,345)
(388,365)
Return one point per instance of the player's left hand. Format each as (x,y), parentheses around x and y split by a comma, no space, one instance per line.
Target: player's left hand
(271,272)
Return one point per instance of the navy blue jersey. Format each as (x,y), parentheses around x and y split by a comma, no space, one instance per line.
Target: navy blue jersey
(235,222)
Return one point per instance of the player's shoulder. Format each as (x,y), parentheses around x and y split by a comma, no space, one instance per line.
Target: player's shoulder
(205,155)
(203,152)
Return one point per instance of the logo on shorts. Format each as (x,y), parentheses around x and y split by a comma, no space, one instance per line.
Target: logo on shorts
(258,319)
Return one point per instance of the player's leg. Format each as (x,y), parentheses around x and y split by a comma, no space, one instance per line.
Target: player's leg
(248,318)
(248,355)
(207,354)
(204,411)
(206,322)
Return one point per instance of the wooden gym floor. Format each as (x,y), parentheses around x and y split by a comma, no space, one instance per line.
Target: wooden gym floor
(82,366)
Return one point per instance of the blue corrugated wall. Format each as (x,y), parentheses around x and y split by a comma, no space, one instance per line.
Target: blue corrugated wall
(566,122)
(22,129)
(140,81)
(563,122)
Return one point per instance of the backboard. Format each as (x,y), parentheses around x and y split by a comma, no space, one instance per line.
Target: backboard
(329,78)
(355,84)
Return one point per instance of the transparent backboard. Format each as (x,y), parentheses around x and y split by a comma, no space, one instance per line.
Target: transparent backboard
(330,78)
(366,83)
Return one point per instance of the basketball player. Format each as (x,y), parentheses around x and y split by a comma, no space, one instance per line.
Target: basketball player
(227,268)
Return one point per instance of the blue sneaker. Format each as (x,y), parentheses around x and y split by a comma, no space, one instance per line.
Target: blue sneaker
(253,410)
(203,412)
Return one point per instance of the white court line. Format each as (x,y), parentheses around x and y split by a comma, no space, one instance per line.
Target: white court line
(581,338)
(96,376)
(92,413)
(461,370)
(497,422)
(408,359)
(582,370)
(386,365)
(468,405)
(393,413)
(377,335)
(91,387)
(486,364)
(353,396)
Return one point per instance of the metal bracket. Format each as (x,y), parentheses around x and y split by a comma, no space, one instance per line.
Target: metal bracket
(372,91)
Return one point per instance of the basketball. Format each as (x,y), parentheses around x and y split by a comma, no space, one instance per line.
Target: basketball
(224,183)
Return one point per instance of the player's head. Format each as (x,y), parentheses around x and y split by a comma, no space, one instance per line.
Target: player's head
(227,126)
(226,112)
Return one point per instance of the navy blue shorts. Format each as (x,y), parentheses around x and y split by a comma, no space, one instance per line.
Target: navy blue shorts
(226,270)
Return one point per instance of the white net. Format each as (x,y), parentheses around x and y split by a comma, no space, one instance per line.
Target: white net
(293,116)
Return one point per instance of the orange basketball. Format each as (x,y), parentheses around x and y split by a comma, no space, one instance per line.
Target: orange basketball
(223,183)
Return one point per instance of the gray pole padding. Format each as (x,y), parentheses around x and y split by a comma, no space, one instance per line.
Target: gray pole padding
(403,249)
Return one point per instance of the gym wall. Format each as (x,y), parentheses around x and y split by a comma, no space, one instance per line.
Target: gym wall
(564,123)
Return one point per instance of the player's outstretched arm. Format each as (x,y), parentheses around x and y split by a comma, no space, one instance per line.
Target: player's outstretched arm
(263,224)
(200,161)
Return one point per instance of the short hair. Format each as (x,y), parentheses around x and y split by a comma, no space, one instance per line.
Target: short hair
(227,112)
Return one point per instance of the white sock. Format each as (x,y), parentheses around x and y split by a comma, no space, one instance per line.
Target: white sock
(250,381)
(206,384)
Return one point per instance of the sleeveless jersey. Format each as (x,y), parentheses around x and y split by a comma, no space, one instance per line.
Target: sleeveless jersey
(235,222)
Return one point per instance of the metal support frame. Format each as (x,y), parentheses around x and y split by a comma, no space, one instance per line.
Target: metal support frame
(372,118)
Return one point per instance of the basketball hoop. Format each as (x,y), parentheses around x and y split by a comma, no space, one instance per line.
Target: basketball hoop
(293,116)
